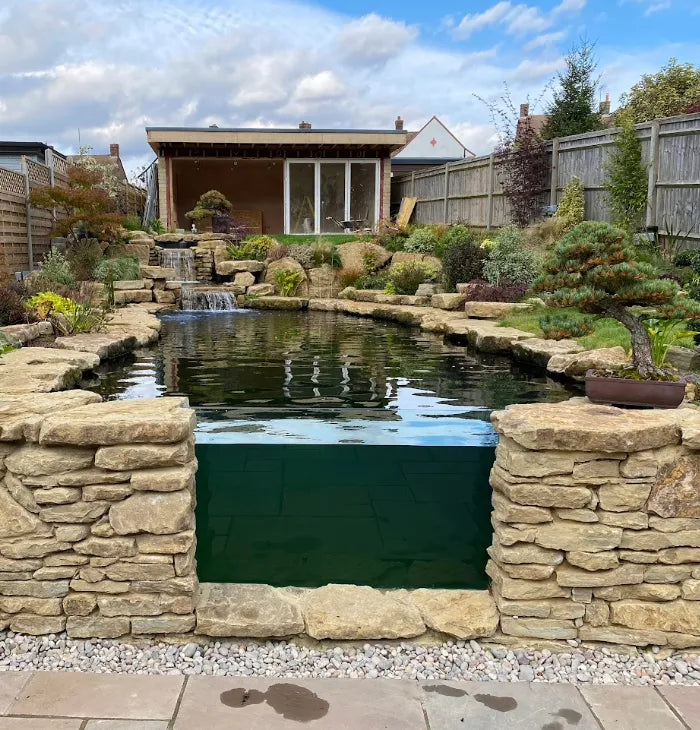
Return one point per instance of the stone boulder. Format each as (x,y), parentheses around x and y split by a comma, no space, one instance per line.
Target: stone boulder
(539,352)
(462,614)
(427,290)
(130,285)
(359,612)
(244,279)
(275,302)
(577,364)
(169,238)
(229,268)
(141,250)
(158,272)
(246,610)
(449,302)
(261,290)
(323,282)
(353,254)
(490,310)
(288,264)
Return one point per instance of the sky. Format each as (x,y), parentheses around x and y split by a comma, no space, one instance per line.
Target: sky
(100,71)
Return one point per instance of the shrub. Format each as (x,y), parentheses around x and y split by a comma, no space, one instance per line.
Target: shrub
(302,254)
(47,303)
(390,236)
(350,276)
(481,291)
(12,304)
(594,268)
(374,280)
(324,252)
(132,223)
(687,257)
(156,227)
(121,269)
(544,235)
(422,240)
(564,326)
(84,255)
(571,210)
(453,236)
(463,261)
(287,282)
(407,276)
(277,252)
(55,269)
(664,334)
(508,261)
(81,318)
(253,248)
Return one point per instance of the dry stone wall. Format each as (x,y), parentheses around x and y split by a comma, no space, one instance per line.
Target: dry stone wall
(596,517)
(96,515)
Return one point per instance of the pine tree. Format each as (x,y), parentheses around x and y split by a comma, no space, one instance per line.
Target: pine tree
(572,110)
(595,268)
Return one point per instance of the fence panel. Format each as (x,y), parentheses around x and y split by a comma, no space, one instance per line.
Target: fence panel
(474,195)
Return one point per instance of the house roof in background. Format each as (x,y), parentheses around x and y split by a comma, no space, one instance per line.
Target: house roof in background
(412,135)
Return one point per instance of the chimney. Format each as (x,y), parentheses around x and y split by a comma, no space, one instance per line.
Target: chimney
(524,110)
(605,105)
(114,150)
(398,124)
(304,125)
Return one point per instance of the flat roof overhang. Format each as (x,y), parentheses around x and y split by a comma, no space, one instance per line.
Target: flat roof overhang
(274,143)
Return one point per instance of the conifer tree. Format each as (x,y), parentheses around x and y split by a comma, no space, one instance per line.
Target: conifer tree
(572,110)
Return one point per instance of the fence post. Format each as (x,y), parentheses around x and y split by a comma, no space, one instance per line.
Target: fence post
(653,174)
(30,248)
(554,180)
(489,197)
(413,183)
(444,204)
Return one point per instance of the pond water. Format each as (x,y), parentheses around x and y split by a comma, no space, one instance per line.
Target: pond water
(322,377)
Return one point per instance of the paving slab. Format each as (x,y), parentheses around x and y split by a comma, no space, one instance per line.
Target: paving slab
(11,684)
(505,706)
(38,723)
(116,696)
(630,708)
(242,703)
(686,703)
(126,725)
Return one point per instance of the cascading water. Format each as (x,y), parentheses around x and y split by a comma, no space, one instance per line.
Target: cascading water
(180,259)
(195,299)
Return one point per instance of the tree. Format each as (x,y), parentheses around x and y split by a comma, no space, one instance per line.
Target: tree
(675,89)
(594,268)
(83,210)
(572,110)
(627,180)
(572,209)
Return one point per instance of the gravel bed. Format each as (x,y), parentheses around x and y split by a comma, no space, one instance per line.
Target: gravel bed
(458,660)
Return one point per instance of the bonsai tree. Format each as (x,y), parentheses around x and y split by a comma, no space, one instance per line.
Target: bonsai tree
(211,204)
(594,268)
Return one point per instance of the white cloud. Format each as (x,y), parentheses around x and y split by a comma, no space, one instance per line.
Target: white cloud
(471,23)
(569,6)
(373,39)
(536,71)
(323,85)
(546,39)
(657,7)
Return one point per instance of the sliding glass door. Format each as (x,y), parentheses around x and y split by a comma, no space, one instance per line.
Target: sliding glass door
(330,196)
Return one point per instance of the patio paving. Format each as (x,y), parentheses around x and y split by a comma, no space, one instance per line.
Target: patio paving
(74,701)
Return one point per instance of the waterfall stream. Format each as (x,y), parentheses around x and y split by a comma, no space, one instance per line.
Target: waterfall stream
(195,299)
(180,259)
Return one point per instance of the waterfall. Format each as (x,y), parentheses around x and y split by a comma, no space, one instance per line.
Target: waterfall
(195,299)
(180,259)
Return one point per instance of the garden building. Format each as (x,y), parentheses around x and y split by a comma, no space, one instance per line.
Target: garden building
(300,180)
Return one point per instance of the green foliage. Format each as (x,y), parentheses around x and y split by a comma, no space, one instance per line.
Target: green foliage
(253,248)
(463,259)
(373,280)
(55,269)
(422,240)
(670,91)
(210,204)
(627,180)
(663,334)
(324,252)
(132,223)
(302,254)
(509,262)
(287,282)
(563,326)
(48,303)
(572,110)
(571,210)
(687,257)
(156,227)
(5,345)
(81,318)
(594,268)
(390,288)
(407,276)
(390,236)
(121,269)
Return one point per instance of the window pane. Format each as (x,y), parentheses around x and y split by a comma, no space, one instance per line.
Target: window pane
(363,193)
(302,209)
(332,196)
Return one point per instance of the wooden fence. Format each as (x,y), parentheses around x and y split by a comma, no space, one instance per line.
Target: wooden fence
(25,231)
(470,190)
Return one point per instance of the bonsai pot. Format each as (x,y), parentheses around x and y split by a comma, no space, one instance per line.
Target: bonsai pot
(628,392)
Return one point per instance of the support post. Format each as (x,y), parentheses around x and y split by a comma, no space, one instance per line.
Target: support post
(653,175)
(447,183)
(30,244)
(554,180)
(489,198)
(413,183)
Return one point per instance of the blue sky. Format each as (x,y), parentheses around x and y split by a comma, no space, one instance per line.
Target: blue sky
(112,67)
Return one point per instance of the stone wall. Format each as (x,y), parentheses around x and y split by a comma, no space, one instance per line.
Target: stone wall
(597,524)
(96,515)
